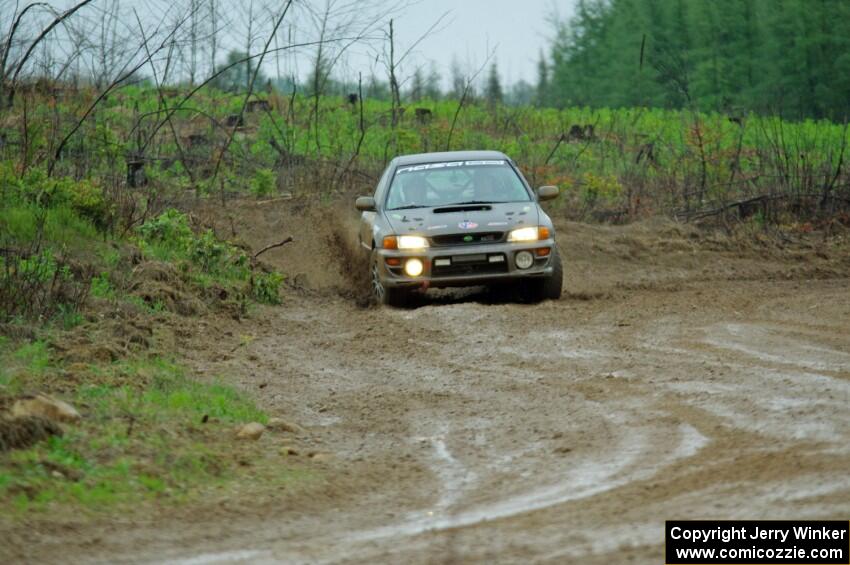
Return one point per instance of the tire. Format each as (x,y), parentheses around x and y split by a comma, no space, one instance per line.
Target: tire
(554,285)
(547,288)
(384,296)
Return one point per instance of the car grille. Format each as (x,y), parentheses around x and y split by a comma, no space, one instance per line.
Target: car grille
(470,265)
(467,238)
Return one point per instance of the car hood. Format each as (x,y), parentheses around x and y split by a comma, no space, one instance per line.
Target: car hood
(470,219)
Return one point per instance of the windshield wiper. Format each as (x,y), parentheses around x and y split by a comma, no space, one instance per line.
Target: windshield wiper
(409,207)
(472,202)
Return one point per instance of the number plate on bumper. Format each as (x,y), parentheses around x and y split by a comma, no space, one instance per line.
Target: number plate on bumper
(477,258)
(476,264)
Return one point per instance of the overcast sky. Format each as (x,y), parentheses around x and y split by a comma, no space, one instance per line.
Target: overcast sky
(514,30)
(517,29)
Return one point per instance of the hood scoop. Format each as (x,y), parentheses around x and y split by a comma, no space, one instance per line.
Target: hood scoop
(463,208)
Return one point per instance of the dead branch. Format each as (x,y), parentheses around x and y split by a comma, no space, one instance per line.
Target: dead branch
(248,94)
(361,126)
(763,199)
(114,84)
(287,239)
(162,99)
(58,20)
(8,47)
(219,71)
(827,189)
(470,79)
(552,153)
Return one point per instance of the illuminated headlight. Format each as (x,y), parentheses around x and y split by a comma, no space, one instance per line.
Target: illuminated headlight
(523,234)
(524,260)
(531,233)
(413,267)
(412,242)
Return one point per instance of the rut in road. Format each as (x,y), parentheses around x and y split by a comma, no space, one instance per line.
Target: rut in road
(683,375)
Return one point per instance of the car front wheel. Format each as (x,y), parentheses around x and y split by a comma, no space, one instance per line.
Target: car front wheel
(382,294)
(547,288)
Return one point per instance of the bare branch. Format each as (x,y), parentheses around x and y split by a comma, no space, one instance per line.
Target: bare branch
(249,93)
(58,20)
(122,77)
(469,80)
(162,98)
(287,239)
(8,47)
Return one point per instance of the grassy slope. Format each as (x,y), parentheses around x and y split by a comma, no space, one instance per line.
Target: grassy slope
(81,321)
(141,436)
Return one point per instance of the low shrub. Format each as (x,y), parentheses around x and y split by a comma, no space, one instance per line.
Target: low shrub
(265,287)
(264,182)
(211,261)
(39,286)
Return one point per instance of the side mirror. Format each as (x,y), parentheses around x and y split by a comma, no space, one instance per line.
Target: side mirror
(547,192)
(365,204)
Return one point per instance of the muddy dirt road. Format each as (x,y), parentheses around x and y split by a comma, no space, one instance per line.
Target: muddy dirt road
(677,379)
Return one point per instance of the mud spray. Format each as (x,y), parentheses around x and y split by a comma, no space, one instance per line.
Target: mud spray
(351,259)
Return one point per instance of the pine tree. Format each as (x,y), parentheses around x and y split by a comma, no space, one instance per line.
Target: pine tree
(432,83)
(493,90)
(417,86)
(377,89)
(542,95)
(458,80)
(520,93)
(790,56)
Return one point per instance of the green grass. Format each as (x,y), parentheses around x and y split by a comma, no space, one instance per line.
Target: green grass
(149,430)
(167,394)
(49,238)
(68,317)
(57,472)
(141,438)
(642,160)
(32,357)
(205,260)
(101,287)
(63,228)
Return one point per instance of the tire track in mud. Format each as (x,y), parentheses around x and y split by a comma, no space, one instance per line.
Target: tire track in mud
(643,451)
(680,377)
(584,479)
(508,433)
(631,455)
(782,372)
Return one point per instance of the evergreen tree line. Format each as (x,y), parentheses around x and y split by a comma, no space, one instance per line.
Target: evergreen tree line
(788,57)
(419,85)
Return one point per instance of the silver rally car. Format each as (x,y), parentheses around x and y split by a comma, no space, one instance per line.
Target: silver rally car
(461,218)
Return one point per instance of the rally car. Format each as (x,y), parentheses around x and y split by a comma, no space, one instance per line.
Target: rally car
(461,218)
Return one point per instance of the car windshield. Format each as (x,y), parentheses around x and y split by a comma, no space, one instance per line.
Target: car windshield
(455,182)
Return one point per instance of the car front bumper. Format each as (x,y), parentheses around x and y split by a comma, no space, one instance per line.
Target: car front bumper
(464,265)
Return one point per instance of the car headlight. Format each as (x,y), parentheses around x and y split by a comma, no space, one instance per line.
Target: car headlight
(531,233)
(414,267)
(412,242)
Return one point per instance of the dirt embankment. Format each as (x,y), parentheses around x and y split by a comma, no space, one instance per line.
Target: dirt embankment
(685,374)
(601,258)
